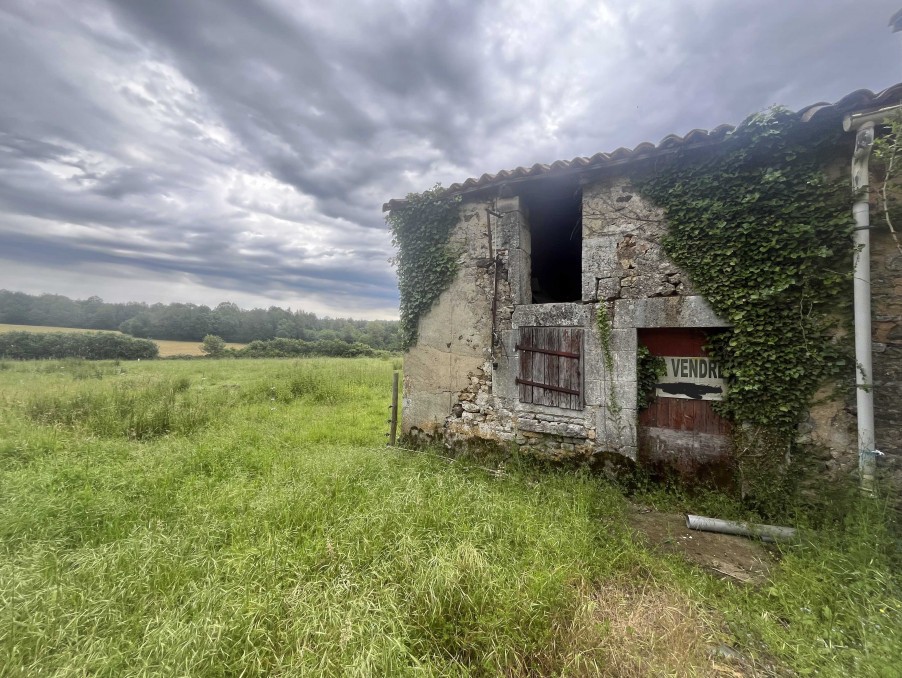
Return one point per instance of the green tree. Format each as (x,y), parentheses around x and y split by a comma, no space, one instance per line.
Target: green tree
(213,345)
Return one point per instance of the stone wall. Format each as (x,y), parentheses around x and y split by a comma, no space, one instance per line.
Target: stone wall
(459,386)
(830,431)
(454,337)
(488,408)
(622,253)
(624,266)
(886,292)
(459,381)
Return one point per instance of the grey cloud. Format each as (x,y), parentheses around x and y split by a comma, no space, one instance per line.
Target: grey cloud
(250,145)
(266,271)
(129,181)
(309,120)
(30,149)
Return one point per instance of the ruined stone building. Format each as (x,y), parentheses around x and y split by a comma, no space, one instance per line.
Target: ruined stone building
(511,353)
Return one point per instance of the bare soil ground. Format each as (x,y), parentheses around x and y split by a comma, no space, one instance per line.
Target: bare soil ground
(691,631)
(738,558)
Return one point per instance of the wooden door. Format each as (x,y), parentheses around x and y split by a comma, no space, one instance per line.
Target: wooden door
(551,366)
(680,431)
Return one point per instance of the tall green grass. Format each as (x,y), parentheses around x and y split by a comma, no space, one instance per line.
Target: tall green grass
(834,606)
(264,529)
(134,411)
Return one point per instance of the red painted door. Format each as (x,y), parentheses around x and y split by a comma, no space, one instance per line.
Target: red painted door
(680,431)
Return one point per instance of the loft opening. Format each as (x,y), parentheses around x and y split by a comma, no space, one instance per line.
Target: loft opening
(556,234)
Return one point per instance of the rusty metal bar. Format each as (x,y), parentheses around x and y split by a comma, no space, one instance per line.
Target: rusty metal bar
(495,257)
(549,387)
(496,262)
(548,351)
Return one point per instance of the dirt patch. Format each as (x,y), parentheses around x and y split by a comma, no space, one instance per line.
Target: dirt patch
(725,555)
(629,629)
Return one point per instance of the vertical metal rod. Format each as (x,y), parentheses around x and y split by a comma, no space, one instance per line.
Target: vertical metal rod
(495,264)
(488,221)
(393,431)
(495,257)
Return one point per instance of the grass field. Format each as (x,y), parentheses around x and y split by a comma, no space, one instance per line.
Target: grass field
(167,348)
(244,518)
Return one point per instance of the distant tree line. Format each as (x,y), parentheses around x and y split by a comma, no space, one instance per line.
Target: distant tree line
(191,322)
(87,345)
(290,348)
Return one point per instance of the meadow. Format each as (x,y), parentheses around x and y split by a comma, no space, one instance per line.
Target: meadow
(167,348)
(244,518)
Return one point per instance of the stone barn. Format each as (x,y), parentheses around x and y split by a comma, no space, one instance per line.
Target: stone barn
(562,287)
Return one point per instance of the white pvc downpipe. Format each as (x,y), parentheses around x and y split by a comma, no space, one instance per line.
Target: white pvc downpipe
(864,374)
(863,124)
(770,533)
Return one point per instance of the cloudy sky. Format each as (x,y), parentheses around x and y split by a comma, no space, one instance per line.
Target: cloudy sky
(212,150)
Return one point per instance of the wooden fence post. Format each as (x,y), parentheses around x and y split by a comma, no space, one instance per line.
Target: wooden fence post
(393,431)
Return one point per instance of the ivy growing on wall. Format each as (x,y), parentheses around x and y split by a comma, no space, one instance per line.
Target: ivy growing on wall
(649,368)
(765,237)
(426,265)
(888,157)
(603,322)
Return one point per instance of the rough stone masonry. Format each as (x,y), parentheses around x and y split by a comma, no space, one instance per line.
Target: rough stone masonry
(460,379)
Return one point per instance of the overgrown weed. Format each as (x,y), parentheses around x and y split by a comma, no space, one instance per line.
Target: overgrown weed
(674,497)
(78,369)
(281,537)
(133,411)
(631,628)
(834,606)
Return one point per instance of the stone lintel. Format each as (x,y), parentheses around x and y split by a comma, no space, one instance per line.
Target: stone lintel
(552,315)
(690,311)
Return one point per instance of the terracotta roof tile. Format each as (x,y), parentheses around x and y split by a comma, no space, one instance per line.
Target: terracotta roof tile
(857,100)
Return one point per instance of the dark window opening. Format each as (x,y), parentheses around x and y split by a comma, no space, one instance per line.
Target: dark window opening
(551,366)
(556,234)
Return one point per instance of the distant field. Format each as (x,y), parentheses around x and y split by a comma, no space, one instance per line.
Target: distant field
(167,348)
